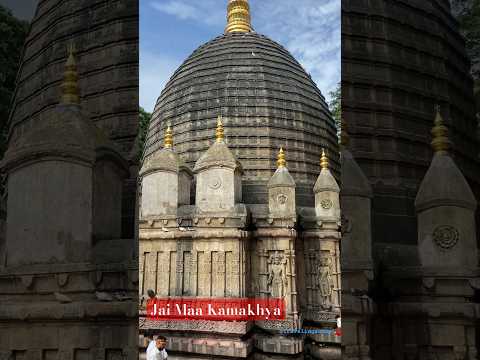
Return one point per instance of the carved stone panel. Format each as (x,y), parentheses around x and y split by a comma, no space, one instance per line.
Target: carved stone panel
(172,273)
(277,277)
(218,275)
(323,271)
(204,274)
(187,272)
(150,271)
(231,274)
(445,236)
(163,270)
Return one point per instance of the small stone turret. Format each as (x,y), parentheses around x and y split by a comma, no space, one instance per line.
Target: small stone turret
(356,254)
(445,207)
(327,199)
(356,195)
(64,184)
(281,190)
(218,175)
(166,182)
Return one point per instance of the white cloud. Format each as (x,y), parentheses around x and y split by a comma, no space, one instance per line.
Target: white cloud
(309,29)
(207,12)
(176,8)
(155,71)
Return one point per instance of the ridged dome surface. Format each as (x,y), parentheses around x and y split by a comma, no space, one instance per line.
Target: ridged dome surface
(399,60)
(267,101)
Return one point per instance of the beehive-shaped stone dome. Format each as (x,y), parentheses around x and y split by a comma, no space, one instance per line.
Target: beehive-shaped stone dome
(267,101)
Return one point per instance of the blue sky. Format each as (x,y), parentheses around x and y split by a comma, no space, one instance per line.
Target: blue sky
(170,30)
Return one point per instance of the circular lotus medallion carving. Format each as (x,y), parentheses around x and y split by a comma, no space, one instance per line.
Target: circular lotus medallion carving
(446,236)
(215,183)
(326,204)
(282,199)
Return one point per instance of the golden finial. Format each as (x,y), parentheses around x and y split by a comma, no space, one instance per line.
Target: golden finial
(281,162)
(220,133)
(168,141)
(70,93)
(440,142)
(324,160)
(344,138)
(238,17)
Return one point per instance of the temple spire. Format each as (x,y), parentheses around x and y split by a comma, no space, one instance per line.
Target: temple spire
(281,162)
(220,133)
(70,93)
(168,141)
(440,142)
(324,160)
(238,17)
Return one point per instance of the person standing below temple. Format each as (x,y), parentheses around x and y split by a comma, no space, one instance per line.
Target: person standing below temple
(156,349)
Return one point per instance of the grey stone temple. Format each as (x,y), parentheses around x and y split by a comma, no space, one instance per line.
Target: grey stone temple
(239,198)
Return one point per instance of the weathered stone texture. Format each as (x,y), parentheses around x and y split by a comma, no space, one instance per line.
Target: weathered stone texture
(267,101)
(68,280)
(220,247)
(399,59)
(34,197)
(105,36)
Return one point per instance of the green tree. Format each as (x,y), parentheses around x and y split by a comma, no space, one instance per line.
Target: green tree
(469,19)
(144,123)
(13,33)
(335,106)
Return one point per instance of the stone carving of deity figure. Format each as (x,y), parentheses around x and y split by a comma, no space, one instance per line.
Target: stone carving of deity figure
(277,279)
(324,281)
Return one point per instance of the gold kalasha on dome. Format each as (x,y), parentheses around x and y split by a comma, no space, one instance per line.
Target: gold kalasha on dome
(70,93)
(281,162)
(238,17)
(440,142)
(324,160)
(219,132)
(168,141)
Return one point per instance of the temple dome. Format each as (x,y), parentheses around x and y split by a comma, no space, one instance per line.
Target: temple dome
(267,101)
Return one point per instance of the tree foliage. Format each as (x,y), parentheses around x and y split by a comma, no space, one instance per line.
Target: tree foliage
(335,106)
(469,20)
(144,123)
(13,33)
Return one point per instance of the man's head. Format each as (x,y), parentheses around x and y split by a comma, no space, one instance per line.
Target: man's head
(161,342)
(151,294)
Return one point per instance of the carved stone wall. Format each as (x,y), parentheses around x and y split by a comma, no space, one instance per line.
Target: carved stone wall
(213,255)
(178,264)
(56,312)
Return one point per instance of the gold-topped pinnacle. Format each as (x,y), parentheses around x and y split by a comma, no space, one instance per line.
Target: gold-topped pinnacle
(168,141)
(70,93)
(238,17)
(344,138)
(281,162)
(440,141)
(324,160)
(220,133)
